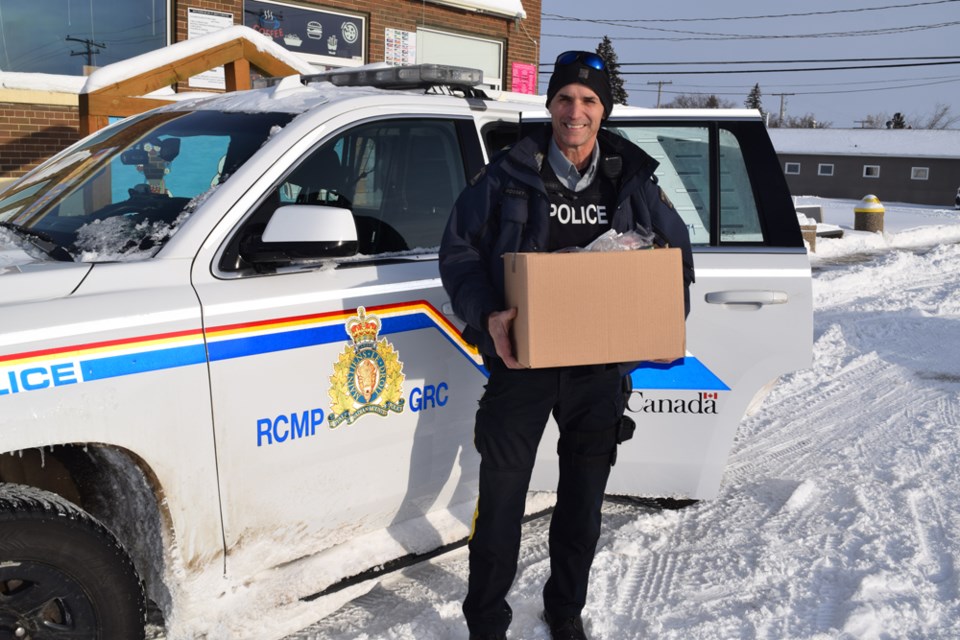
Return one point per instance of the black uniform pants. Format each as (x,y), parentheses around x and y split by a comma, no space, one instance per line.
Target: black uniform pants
(587,403)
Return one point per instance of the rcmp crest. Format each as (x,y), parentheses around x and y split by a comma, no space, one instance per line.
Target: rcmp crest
(368,376)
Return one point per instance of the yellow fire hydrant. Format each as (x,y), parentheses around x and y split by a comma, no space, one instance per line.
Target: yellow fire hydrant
(868,215)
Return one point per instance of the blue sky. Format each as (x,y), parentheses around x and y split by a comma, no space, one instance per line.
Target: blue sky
(677,31)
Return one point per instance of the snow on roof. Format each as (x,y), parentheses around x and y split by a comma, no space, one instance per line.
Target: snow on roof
(132,67)
(41,82)
(292,96)
(288,97)
(120,71)
(509,8)
(910,143)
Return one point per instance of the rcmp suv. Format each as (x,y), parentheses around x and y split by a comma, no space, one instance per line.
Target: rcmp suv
(226,358)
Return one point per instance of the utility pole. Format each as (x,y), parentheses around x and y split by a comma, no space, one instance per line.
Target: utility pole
(782,110)
(660,84)
(90,52)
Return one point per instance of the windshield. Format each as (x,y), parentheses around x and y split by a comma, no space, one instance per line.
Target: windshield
(123,192)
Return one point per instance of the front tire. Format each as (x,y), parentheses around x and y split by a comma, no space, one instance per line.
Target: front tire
(62,573)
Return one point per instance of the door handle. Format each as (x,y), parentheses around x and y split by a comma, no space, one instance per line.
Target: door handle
(756,298)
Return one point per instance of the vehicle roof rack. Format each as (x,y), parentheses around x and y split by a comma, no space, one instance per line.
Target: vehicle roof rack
(435,77)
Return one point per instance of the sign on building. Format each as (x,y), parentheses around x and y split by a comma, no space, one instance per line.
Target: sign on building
(319,36)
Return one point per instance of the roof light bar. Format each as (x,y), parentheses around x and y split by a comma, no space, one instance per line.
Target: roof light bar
(402,77)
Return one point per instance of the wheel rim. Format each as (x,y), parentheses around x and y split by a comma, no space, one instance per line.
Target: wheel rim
(40,602)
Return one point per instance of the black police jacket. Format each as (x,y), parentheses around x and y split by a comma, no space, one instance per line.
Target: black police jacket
(506,208)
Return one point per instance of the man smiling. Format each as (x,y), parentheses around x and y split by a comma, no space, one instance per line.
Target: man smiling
(560,188)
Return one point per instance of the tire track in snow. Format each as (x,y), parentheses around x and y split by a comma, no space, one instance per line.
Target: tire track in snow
(629,588)
(633,584)
(934,559)
(817,421)
(786,443)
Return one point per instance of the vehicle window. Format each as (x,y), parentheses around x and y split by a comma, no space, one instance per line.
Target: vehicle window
(739,219)
(194,169)
(402,178)
(123,192)
(684,171)
(399,178)
(499,136)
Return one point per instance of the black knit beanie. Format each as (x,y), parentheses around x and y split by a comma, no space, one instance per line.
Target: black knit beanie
(577,71)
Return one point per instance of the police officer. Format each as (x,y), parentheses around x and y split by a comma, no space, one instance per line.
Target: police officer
(560,188)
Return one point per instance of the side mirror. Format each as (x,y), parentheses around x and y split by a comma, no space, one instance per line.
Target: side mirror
(304,232)
(310,223)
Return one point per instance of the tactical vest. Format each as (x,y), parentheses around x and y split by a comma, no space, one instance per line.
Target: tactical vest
(578,218)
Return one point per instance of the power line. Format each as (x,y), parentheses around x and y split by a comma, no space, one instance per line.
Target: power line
(615,21)
(711,72)
(803,87)
(809,61)
(845,68)
(636,88)
(723,37)
(892,82)
(906,86)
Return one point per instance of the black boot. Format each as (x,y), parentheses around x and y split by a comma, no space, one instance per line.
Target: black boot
(565,628)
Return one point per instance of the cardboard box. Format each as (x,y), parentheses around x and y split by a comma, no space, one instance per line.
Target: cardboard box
(596,307)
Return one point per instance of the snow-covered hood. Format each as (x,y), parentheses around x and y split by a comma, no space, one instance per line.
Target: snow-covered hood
(24,278)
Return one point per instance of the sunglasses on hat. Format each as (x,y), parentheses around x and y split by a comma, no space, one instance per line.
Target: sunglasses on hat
(587,58)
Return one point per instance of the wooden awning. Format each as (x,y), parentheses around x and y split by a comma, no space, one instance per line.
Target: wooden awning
(119,89)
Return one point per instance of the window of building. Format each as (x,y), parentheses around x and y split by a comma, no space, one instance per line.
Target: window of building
(824,169)
(438,47)
(920,173)
(792,168)
(57,37)
(871,171)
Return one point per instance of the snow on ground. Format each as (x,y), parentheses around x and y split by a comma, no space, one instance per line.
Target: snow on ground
(839,515)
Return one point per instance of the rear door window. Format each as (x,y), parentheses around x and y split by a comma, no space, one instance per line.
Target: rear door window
(719,178)
(684,171)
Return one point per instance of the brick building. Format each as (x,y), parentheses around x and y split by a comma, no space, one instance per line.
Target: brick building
(39,112)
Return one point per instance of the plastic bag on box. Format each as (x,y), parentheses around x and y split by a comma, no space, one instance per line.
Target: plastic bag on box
(628,241)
